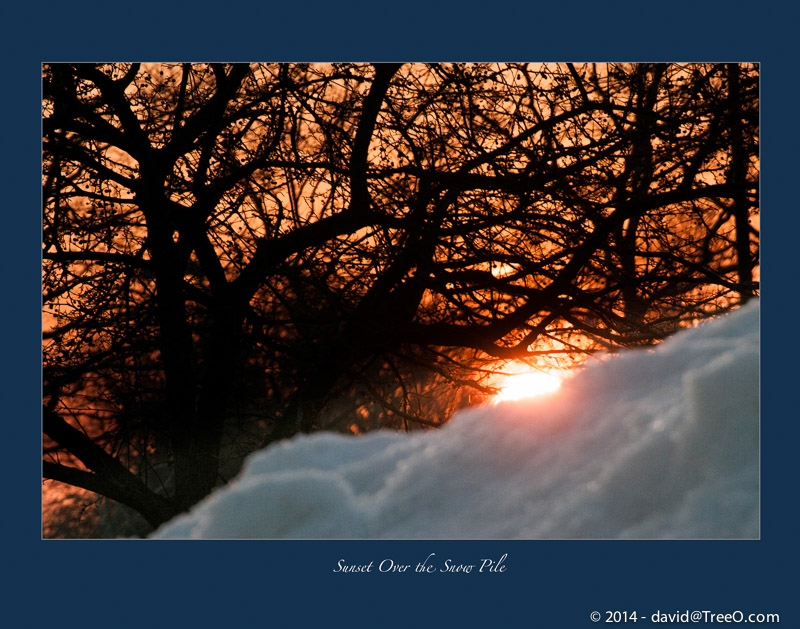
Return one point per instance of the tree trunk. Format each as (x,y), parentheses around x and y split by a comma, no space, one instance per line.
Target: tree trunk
(197,448)
(738,177)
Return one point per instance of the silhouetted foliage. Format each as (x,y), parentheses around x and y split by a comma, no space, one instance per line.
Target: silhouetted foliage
(229,250)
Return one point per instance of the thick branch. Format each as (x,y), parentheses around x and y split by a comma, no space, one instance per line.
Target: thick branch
(155,509)
(109,477)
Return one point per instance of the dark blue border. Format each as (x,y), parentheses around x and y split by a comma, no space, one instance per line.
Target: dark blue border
(249,584)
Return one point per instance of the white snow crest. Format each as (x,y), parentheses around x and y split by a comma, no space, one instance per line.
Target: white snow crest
(659,443)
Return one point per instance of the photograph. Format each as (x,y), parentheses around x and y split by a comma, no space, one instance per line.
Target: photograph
(401,300)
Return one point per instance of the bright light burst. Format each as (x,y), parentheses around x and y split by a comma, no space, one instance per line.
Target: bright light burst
(525,385)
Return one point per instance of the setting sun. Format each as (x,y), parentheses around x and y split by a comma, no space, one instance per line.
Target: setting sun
(525,385)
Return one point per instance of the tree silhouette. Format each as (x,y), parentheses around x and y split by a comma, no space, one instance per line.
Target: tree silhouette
(230,249)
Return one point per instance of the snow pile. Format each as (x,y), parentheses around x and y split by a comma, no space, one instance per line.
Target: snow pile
(660,443)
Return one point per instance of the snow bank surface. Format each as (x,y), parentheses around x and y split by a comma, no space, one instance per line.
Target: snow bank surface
(650,444)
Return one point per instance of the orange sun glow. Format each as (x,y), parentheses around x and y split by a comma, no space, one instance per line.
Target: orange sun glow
(525,385)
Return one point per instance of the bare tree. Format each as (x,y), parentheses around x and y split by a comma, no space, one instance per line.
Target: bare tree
(283,239)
